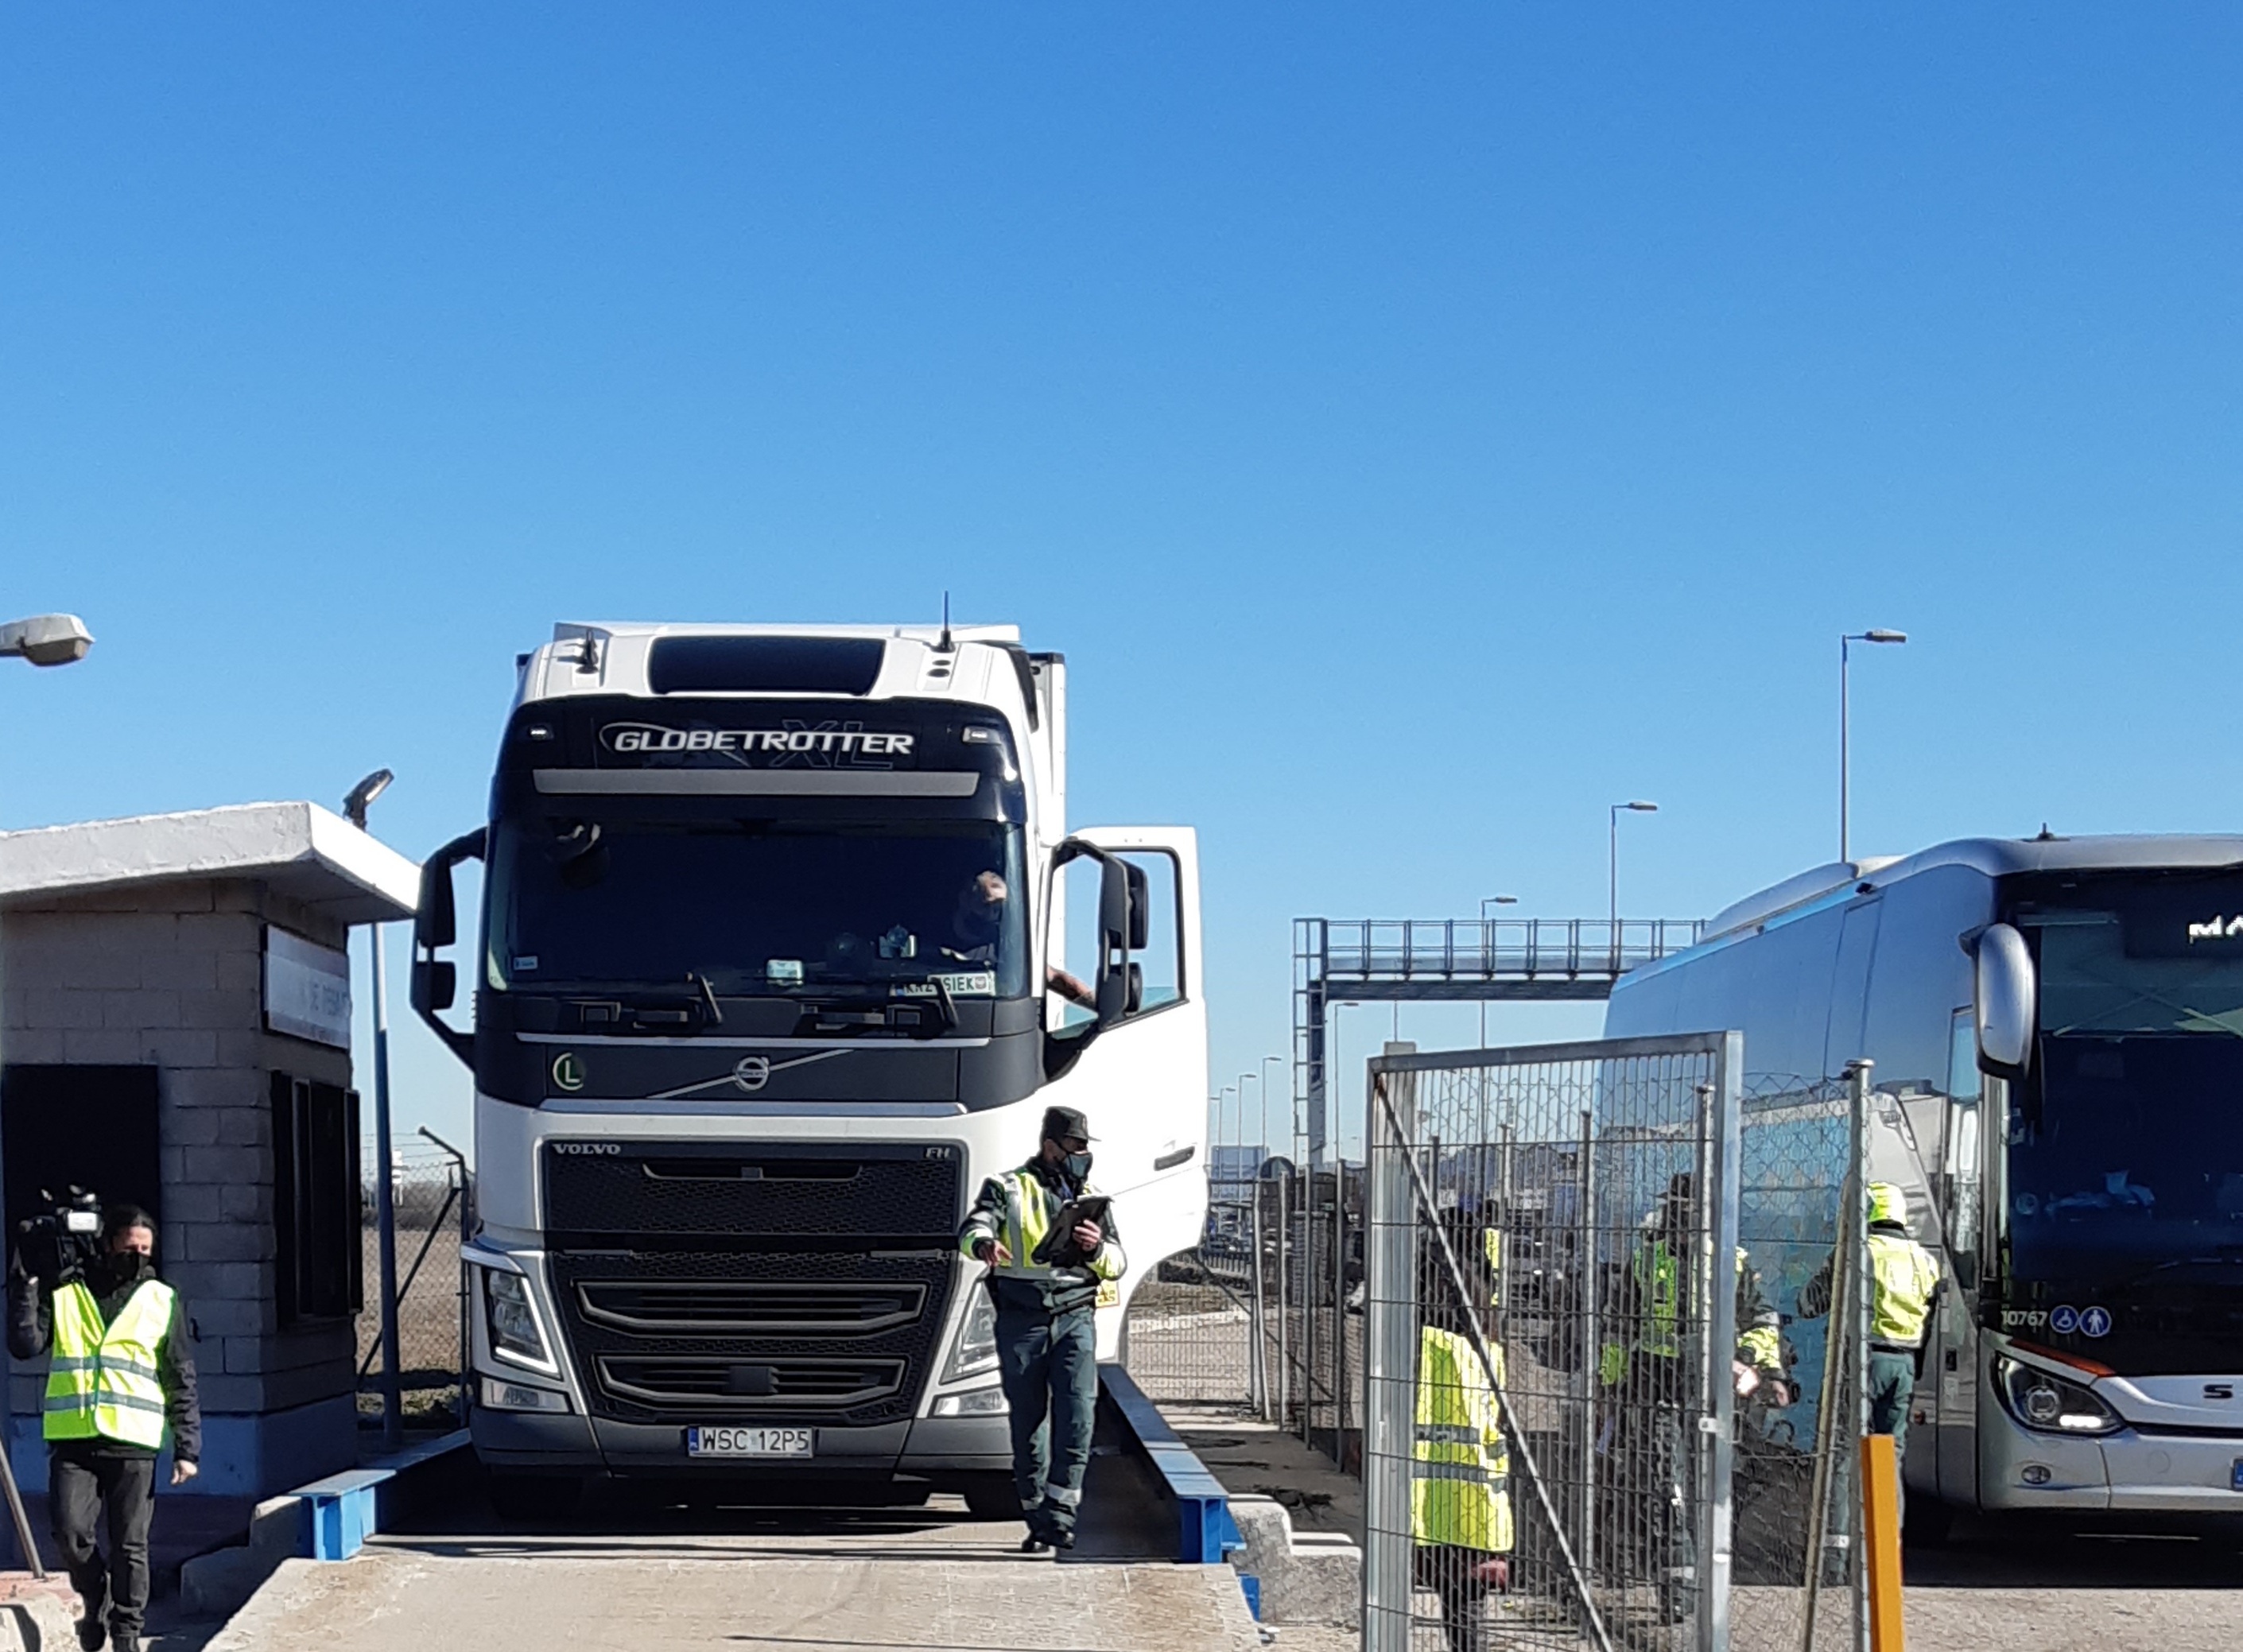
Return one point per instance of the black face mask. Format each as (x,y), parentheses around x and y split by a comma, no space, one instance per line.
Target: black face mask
(1077,1167)
(121,1268)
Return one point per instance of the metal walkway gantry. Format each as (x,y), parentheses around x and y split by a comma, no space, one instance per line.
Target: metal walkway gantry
(1453,960)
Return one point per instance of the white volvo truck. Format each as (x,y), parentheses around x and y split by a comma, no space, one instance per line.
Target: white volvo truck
(774,967)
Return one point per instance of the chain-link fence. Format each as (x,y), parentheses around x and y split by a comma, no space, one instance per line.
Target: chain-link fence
(1597,1408)
(430,1188)
(1794,1488)
(1189,1339)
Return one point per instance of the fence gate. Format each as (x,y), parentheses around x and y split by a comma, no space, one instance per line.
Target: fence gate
(1576,1256)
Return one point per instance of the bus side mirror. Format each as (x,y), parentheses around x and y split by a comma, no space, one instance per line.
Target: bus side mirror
(2005,1006)
(435,926)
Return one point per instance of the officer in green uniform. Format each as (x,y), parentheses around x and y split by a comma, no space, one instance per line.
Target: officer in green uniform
(1459,1491)
(121,1379)
(1046,1341)
(1905,1281)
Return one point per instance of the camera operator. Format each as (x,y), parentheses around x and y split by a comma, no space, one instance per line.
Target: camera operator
(123,1374)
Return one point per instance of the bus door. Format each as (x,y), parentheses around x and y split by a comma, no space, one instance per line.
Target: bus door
(1950,1369)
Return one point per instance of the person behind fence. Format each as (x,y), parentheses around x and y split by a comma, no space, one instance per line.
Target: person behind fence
(1904,1281)
(1459,1474)
(1647,1381)
(121,1378)
(1046,1283)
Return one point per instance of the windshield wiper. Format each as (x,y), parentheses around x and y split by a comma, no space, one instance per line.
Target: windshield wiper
(708,996)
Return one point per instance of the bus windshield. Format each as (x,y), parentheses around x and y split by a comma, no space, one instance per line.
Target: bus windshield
(757,908)
(2126,1142)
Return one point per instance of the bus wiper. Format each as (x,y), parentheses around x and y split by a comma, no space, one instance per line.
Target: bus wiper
(708,995)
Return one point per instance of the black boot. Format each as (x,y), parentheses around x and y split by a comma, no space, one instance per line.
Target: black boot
(91,1634)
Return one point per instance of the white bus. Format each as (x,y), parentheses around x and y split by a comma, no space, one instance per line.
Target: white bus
(774,967)
(2057,1026)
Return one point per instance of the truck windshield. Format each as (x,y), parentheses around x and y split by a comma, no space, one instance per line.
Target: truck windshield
(759,908)
(2127,1144)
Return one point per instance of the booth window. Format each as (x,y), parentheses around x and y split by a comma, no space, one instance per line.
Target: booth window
(316,1206)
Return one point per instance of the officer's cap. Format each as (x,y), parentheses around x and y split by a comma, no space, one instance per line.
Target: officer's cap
(1059,1122)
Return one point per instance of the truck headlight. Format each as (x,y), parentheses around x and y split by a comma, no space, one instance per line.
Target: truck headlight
(514,1333)
(2049,1404)
(975,1350)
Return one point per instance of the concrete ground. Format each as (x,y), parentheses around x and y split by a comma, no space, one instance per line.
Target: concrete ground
(931,1580)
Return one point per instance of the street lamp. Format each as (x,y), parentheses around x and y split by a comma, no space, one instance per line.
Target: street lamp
(1638,807)
(1845,762)
(46,639)
(385,1202)
(1264,1144)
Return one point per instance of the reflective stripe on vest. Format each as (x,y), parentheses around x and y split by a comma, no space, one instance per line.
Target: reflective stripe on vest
(102,1380)
(1028,1211)
(1906,1276)
(1457,1490)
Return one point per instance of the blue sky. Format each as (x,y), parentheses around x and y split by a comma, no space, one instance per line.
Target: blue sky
(1420,429)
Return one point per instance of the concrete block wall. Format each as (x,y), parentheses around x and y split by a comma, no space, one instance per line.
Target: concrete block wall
(171,976)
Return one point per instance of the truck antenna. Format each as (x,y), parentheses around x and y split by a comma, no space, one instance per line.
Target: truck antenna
(946,646)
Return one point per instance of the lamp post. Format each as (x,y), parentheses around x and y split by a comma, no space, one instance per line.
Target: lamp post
(42,640)
(385,1202)
(1487,952)
(1845,757)
(1264,1144)
(1638,807)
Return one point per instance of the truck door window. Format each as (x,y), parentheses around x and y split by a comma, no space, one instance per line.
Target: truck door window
(1159,963)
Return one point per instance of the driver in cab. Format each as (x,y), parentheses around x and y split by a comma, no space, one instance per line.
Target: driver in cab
(977,929)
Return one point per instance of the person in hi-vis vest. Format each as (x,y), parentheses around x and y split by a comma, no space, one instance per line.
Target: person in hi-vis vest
(1459,1486)
(120,1386)
(1905,1280)
(1046,1286)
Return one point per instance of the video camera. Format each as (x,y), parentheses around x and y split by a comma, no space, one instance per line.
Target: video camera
(57,1244)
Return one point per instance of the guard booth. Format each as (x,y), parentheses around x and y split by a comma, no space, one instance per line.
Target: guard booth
(175,1023)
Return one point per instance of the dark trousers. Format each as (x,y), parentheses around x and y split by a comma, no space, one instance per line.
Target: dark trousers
(1453,1573)
(1892,1385)
(81,1490)
(1049,1365)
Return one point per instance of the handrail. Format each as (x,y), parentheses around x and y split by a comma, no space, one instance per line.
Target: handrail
(1491,949)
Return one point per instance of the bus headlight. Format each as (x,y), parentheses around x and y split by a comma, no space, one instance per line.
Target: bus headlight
(514,1333)
(2048,1403)
(975,1350)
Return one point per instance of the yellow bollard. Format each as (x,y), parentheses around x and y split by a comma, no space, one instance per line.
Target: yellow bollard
(1881,1533)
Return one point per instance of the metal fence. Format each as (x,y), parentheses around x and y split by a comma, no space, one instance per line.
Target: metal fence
(1583,1271)
(430,1192)
(1793,1492)
(1190,1336)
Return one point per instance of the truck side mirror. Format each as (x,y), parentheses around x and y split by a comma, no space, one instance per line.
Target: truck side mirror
(435,925)
(1114,929)
(1140,903)
(2006,1004)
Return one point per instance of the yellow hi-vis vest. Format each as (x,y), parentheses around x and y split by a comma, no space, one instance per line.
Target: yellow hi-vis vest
(1659,1288)
(1906,1276)
(1458,1481)
(102,1380)
(1028,1212)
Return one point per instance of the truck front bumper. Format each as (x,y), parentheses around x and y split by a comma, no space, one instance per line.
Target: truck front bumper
(933,1447)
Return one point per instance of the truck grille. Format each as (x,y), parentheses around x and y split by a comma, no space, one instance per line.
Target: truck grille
(707,1385)
(747,1307)
(735,1191)
(663,1335)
